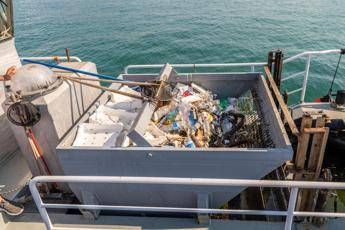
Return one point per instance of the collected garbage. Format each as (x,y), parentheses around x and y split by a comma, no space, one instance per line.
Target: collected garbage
(192,118)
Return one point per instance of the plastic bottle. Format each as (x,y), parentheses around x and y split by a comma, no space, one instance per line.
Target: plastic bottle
(224,103)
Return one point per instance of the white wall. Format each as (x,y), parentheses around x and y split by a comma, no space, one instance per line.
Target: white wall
(8,58)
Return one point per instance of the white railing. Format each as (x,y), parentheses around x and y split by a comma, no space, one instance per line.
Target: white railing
(303,89)
(252,66)
(294,187)
(52,58)
(305,73)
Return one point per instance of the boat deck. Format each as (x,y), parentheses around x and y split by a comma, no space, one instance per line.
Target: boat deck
(33,221)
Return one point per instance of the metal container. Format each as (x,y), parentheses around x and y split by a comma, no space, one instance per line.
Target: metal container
(227,163)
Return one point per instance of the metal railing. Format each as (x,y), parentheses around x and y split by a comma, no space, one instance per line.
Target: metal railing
(305,73)
(252,66)
(303,89)
(290,213)
(52,58)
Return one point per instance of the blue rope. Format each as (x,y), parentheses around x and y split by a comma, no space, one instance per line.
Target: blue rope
(101,76)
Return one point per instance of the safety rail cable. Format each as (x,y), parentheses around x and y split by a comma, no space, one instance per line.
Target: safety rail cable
(290,213)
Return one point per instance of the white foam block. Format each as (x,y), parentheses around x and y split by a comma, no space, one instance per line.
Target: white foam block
(97,135)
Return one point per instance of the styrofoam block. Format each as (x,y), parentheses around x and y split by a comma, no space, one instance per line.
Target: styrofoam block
(99,117)
(97,135)
(125,117)
(125,102)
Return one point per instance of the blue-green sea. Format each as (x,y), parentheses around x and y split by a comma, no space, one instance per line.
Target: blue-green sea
(116,33)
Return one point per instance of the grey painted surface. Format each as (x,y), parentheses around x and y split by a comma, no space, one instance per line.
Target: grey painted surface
(236,163)
(32,221)
(60,110)
(14,170)
(8,144)
(315,109)
(159,162)
(240,82)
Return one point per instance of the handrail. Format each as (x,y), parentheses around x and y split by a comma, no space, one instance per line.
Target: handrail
(305,73)
(52,58)
(310,53)
(212,65)
(252,65)
(289,213)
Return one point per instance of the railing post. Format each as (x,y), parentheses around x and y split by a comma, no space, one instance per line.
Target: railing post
(42,210)
(278,67)
(305,81)
(270,60)
(125,70)
(291,208)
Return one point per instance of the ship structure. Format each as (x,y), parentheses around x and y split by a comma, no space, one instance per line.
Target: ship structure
(185,146)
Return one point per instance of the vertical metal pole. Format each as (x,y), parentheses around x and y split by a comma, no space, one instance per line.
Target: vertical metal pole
(9,14)
(253,69)
(291,208)
(278,67)
(68,55)
(37,198)
(305,81)
(270,60)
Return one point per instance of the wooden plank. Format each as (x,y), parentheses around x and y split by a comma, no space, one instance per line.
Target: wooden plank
(281,103)
(300,159)
(103,88)
(309,195)
(303,141)
(122,82)
(315,151)
(322,152)
(319,130)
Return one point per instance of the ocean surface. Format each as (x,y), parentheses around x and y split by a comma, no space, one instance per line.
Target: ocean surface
(116,33)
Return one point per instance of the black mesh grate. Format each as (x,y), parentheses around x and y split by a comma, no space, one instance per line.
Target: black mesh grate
(254,133)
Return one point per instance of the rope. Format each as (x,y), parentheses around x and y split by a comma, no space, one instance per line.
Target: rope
(5,33)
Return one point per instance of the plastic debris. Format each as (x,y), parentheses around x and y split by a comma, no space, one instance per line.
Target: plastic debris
(193,118)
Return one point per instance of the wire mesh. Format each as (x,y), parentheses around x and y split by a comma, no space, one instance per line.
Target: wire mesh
(254,133)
